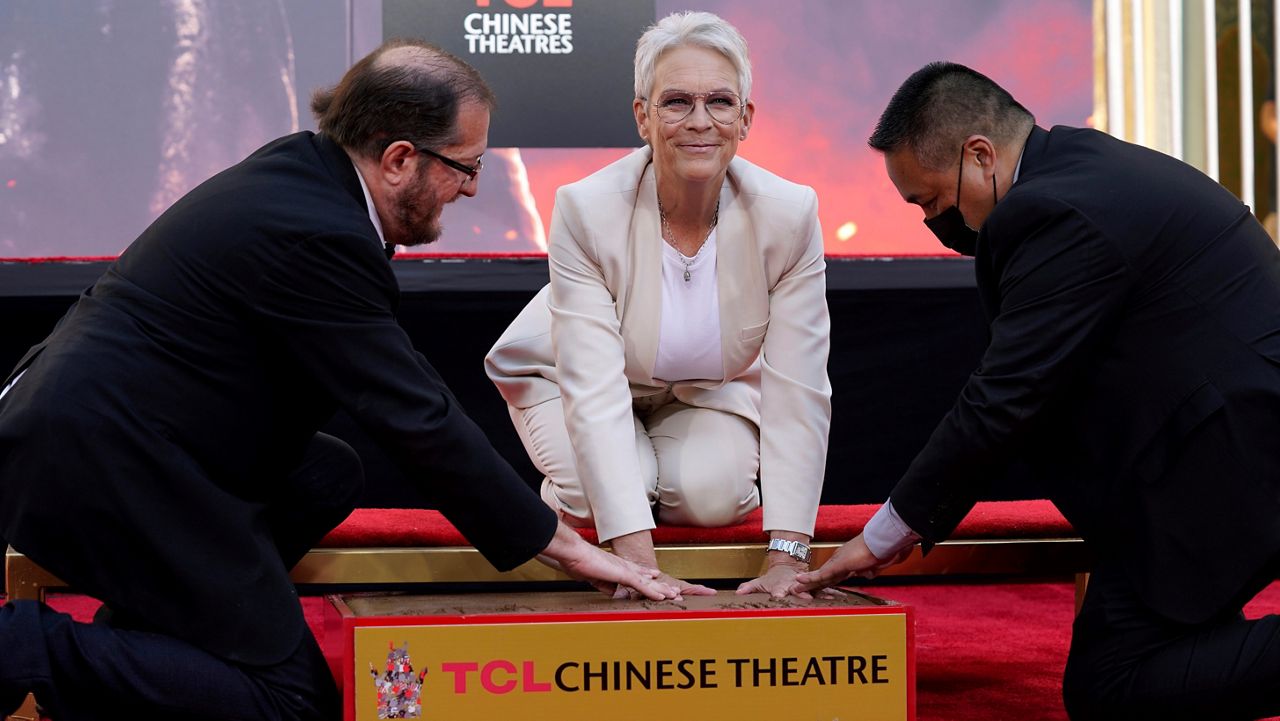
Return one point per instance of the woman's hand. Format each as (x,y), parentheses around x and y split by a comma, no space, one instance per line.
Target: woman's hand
(608,573)
(683,588)
(777,581)
(638,548)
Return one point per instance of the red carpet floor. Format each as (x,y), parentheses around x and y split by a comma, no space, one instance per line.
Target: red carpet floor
(983,651)
(989,651)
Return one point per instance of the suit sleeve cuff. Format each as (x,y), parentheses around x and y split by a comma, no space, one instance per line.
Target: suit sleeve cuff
(886,533)
(612,525)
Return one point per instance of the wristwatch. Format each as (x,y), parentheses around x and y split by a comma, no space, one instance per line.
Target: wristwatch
(795,549)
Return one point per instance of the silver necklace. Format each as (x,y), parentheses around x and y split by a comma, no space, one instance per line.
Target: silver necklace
(669,236)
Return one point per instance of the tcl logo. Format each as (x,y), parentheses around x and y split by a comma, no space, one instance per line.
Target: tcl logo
(523,4)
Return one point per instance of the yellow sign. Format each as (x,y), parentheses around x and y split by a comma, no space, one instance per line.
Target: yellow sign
(825,667)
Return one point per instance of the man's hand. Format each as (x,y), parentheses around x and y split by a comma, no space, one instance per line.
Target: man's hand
(851,559)
(638,548)
(567,552)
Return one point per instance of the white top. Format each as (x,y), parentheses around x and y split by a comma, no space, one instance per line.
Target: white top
(689,335)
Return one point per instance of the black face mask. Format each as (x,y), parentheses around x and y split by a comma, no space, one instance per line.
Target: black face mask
(949,225)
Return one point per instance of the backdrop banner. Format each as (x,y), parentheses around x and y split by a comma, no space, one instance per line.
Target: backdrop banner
(562,70)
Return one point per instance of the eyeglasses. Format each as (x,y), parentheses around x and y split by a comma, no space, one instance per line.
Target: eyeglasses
(471,171)
(723,107)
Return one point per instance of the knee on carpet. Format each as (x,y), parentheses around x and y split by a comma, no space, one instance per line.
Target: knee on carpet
(1088,696)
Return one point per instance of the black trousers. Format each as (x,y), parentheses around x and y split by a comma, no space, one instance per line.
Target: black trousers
(117,668)
(82,671)
(1127,662)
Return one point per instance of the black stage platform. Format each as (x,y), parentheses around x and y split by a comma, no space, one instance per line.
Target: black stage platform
(905,335)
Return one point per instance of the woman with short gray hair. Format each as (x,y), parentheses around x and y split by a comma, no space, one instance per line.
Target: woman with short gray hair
(678,356)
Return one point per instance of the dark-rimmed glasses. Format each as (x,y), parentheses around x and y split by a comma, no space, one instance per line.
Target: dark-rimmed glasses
(471,171)
(724,107)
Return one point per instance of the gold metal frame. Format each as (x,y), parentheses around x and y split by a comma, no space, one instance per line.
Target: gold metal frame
(373,566)
(706,562)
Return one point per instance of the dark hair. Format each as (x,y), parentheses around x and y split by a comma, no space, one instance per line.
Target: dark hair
(413,97)
(941,105)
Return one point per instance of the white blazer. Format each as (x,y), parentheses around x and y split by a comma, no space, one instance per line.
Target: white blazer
(591,336)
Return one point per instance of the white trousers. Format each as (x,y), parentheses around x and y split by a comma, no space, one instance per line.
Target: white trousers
(699,465)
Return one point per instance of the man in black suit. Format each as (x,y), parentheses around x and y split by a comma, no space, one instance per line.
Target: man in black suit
(159,450)
(1134,359)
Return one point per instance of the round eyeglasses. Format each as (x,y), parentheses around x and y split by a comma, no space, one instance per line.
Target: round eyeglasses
(723,107)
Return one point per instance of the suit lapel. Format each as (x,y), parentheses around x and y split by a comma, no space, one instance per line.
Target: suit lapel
(740,281)
(643,305)
(27,358)
(988,287)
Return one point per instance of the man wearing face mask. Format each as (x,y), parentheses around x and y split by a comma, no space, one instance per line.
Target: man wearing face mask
(1134,361)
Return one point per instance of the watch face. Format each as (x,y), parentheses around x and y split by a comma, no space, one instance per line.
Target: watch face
(795,549)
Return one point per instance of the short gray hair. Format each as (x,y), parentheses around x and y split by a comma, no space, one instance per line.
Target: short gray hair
(698,29)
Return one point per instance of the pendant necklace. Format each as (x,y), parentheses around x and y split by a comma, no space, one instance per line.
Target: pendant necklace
(670,237)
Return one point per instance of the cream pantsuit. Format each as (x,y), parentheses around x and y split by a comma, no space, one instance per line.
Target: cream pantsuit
(589,341)
(686,485)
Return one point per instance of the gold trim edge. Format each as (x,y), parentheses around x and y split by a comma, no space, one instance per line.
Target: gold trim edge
(409,565)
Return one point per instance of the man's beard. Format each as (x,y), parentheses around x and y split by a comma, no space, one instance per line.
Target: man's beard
(417,212)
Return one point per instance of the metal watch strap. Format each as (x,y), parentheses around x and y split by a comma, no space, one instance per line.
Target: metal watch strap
(796,549)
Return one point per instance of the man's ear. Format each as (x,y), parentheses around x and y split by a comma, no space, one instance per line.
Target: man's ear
(983,151)
(399,162)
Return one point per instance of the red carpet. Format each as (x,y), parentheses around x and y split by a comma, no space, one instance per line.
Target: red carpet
(381,527)
(989,651)
(983,651)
